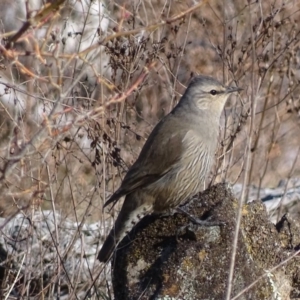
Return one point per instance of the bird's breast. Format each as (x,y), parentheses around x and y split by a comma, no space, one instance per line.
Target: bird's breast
(185,178)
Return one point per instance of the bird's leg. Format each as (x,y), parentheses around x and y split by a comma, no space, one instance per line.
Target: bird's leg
(198,221)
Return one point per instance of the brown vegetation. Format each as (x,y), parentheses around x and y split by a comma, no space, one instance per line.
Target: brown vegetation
(83,83)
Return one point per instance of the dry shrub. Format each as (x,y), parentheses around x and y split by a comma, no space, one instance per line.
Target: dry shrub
(82,86)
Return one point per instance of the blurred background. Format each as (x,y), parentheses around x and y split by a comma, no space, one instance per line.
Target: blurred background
(83,83)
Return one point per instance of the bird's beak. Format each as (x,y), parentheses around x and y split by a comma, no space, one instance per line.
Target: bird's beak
(231,89)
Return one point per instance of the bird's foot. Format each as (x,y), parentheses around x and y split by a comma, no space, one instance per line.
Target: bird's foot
(199,222)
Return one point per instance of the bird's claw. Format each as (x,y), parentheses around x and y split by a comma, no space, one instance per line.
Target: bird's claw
(199,222)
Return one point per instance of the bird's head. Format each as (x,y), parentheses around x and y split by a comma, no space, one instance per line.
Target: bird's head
(208,93)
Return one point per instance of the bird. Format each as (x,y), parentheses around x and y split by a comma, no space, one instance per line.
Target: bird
(174,161)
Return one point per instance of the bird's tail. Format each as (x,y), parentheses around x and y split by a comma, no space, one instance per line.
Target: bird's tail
(107,248)
(132,211)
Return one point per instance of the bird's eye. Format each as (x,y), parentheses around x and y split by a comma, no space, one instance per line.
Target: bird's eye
(213,92)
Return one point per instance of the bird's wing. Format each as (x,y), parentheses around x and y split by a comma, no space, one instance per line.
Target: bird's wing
(157,158)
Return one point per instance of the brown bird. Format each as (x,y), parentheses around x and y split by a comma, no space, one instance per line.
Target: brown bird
(174,161)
